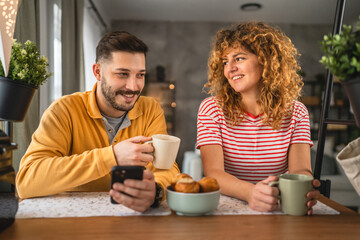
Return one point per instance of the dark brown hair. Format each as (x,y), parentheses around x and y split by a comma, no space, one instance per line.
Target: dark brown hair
(119,41)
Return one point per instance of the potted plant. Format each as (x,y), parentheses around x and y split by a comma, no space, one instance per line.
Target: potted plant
(341,55)
(27,71)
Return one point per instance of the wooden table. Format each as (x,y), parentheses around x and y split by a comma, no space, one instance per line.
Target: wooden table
(344,226)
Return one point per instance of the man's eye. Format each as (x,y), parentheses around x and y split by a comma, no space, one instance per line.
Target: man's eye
(122,74)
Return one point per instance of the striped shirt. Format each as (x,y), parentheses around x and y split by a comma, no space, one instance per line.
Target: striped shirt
(252,150)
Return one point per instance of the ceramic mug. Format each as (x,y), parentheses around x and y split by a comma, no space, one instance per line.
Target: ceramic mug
(165,150)
(293,189)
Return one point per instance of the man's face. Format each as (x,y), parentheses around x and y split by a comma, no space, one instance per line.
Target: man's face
(122,78)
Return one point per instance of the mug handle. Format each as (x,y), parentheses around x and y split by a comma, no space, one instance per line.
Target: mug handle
(150,142)
(275,184)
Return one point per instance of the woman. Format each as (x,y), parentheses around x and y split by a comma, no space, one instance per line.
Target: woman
(253,128)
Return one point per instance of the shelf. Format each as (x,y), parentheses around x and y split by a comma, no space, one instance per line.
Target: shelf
(310,100)
(332,127)
(340,122)
(164,94)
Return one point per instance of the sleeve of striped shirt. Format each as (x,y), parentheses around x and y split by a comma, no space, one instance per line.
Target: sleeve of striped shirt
(301,132)
(208,127)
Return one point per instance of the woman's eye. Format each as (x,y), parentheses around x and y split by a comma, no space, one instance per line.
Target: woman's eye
(225,63)
(239,59)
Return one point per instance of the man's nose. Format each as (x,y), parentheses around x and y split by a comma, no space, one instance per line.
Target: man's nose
(131,83)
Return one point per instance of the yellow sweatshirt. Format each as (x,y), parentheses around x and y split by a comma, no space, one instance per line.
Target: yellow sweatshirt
(70,150)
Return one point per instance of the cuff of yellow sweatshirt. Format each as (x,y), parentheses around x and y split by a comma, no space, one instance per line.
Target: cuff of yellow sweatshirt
(106,159)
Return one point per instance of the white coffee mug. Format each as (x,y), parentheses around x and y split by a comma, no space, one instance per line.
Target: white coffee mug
(165,150)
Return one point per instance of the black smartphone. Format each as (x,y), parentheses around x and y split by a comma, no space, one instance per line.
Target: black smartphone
(120,173)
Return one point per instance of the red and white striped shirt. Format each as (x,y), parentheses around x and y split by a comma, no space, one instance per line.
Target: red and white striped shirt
(252,150)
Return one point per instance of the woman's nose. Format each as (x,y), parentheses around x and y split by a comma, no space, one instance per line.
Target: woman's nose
(232,66)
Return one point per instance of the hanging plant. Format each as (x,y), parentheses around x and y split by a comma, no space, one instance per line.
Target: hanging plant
(342,53)
(26,64)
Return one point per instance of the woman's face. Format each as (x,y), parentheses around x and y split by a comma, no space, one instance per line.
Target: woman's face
(242,70)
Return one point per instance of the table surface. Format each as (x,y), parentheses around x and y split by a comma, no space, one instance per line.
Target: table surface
(343,226)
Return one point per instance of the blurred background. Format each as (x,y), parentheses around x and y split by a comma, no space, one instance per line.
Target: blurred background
(179,35)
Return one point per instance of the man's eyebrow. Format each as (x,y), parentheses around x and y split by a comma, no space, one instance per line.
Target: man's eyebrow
(128,70)
(122,69)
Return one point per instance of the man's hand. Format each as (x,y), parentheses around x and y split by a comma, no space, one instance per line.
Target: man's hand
(131,152)
(142,192)
(263,197)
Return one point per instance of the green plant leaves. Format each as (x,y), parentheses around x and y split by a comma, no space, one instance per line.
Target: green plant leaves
(341,53)
(355,63)
(2,73)
(27,65)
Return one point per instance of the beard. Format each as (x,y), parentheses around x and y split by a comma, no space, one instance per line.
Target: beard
(110,96)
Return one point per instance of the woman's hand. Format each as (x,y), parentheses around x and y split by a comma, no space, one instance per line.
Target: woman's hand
(313,196)
(264,198)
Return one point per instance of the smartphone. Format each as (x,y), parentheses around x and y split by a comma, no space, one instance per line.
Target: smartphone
(120,173)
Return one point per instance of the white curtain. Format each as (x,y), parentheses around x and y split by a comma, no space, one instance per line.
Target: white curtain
(92,32)
(26,28)
(72,46)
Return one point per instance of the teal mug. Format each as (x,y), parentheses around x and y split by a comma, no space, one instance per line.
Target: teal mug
(293,189)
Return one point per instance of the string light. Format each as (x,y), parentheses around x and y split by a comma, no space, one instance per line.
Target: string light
(8,11)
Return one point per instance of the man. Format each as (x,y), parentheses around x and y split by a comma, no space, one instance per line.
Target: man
(83,135)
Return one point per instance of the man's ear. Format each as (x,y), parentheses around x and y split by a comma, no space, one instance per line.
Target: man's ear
(97,71)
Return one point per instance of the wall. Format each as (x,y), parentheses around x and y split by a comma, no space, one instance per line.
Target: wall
(183,48)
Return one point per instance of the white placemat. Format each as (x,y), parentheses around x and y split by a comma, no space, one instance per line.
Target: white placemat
(232,206)
(90,204)
(79,204)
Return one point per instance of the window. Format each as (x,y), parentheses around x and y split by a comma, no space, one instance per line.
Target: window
(92,33)
(54,46)
(51,44)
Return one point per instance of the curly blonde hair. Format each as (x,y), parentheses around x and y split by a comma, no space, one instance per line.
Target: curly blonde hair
(280,83)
